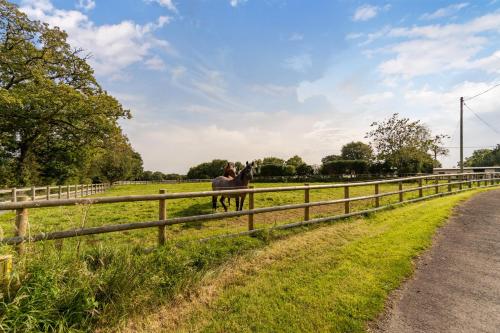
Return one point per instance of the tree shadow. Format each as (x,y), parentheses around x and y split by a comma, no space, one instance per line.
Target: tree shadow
(195,209)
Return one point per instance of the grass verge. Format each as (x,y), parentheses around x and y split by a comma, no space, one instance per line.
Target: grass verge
(330,279)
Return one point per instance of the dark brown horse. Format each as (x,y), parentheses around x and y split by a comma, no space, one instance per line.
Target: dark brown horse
(239,182)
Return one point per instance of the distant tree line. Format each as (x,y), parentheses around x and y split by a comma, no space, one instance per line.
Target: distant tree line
(397,146)
(484,157)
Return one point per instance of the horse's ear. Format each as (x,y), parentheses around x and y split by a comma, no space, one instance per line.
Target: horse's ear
(253,163)
(247,162)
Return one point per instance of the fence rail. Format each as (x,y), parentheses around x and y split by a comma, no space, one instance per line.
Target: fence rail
(436,182)
(48,192)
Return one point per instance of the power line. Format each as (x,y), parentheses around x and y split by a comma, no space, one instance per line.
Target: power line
(481,119)
(484,92)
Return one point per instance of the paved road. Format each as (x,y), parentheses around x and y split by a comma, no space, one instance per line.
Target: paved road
(456,287)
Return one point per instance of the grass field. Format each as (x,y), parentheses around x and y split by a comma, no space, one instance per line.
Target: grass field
(101,281)
(64,218)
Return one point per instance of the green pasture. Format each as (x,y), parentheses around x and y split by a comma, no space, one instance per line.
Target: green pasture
(64,218)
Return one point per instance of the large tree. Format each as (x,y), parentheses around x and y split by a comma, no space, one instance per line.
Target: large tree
(402,143)
(53,113)
(357,151)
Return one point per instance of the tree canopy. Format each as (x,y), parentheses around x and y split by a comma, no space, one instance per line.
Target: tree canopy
(55,120)
(357,151)
(402,144)
(484,157)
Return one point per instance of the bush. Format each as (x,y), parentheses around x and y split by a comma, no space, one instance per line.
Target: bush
(341,167)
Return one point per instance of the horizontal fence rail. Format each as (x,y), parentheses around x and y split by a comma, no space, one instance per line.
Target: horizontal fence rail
(437,182)
(49,192)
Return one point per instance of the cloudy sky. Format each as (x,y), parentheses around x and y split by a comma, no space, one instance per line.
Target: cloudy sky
(245,79)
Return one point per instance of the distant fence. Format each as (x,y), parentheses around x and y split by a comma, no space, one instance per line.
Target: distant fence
(49,192)
(166,181)
(452,183)
(278,179)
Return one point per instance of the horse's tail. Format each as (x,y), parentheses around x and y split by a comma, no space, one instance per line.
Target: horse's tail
(214,202)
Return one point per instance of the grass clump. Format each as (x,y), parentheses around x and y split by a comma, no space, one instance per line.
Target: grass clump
(55,291)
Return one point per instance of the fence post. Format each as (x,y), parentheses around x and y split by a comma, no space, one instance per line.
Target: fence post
(485,180)
(492,182)
(87,189)
(33,193)
(14,195)
(420,190)
(59,193)
(162,215)
(76,191)
(81,190)
(21,224)
(347,205)
(48,193)
(5,269)
(377,199)
(400,191)
(460,180)
(436,181)
(251,206)
(306,200)
(469,180)
(67,191)
(449,183)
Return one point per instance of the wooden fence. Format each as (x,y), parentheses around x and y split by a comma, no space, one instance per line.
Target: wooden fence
(435,183)
(50,192)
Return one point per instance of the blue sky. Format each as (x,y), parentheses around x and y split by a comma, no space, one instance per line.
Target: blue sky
(242,80)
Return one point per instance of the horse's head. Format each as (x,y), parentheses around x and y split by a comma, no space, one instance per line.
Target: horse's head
(247,172)
(230,170)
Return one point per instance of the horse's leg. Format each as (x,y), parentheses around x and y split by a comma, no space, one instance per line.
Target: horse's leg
(229,201)
(242,201)
(214,202)
(223,204)
(237,202)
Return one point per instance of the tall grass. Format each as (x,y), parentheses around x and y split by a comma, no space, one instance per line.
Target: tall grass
(63,292)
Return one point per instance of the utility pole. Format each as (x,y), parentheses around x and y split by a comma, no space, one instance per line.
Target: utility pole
(461,135)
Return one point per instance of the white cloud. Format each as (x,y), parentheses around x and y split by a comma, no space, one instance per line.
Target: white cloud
(274,90)
(296,37)
(235,3)
(113,47)
(86,4)
(169,4)
(299,63)
(374,98)
(155,63)
(444,12)
(365,12)
(435,49)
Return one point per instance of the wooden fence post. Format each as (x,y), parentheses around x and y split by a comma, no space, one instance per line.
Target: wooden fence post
(460,180)
(162,215)
(306,200)
(449,183)
(21,224)
(377,199)
(347,206)
(492,182)
(400,191)
(5,269)
(469,181)
(87,189)
(47,195)
(14,195)
(251,206)
(67,191)
(436,181)
(33,193)
(420,190)
(76,191)
(81,190)
(59,193)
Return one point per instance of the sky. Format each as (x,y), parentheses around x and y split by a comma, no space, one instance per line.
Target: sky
(246,79)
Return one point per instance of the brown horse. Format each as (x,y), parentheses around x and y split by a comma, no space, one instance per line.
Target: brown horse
(225,183)
(229,172)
